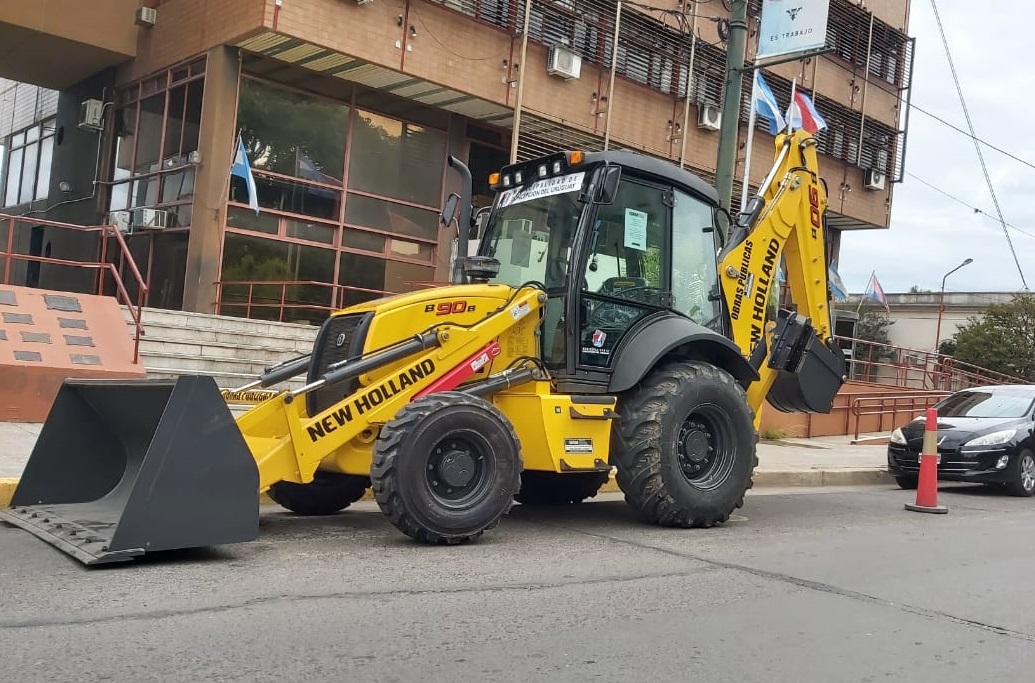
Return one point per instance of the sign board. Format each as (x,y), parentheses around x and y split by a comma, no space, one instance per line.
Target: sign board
(791,27)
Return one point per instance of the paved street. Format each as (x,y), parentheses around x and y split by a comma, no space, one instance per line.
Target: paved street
(809,585)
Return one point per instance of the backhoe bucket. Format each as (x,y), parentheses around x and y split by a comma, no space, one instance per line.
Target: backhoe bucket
(127,467)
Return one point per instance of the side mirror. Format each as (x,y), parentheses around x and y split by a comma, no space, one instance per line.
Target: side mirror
(608,188)
(449,210)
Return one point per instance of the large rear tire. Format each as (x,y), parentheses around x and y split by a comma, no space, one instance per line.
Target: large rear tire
(684,446)
(551,488)
(446,468)
(328,493)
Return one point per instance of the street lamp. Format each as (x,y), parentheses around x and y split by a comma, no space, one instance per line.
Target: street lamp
(941,305)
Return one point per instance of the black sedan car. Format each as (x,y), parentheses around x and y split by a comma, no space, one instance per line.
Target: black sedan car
(985,435)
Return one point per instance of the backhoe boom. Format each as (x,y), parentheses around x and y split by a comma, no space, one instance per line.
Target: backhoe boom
(784,222)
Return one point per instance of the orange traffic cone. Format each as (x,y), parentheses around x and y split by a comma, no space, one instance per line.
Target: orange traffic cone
(927,486)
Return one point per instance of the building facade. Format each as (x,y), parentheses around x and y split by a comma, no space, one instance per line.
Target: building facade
(349,109)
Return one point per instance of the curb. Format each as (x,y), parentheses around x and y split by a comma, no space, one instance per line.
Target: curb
(762,479)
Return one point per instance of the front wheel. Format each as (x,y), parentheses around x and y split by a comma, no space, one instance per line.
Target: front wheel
(446,468)
(1022,468)
(907,482)
(684,446)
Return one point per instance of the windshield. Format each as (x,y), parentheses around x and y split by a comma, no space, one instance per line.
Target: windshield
(1001,403)
(532,230)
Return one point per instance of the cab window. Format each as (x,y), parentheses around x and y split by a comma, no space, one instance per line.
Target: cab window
(694,265)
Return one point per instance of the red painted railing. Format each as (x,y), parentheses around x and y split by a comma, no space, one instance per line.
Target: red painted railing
(9,256)
(914,369)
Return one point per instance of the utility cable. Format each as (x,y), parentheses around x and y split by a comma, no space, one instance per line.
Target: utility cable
(963,203)
(977,145)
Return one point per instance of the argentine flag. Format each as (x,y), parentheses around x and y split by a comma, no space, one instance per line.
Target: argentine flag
(242,169)
(765,104)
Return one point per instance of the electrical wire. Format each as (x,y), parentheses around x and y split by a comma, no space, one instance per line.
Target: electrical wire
(897,94)
(977,146)
(963,203)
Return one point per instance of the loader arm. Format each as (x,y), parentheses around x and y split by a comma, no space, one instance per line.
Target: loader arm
(288,445)
(800,369)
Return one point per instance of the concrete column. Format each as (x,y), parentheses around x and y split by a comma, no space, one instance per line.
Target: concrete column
(216,145)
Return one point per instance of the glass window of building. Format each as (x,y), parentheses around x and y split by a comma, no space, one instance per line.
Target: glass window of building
(349,199)
(26,173)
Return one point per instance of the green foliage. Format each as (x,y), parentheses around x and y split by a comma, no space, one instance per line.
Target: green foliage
(1003,340)
(915,289)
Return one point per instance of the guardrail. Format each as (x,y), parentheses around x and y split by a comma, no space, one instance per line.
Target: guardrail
(102,265)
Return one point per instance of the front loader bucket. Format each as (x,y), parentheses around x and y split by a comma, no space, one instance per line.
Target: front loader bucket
(127,467)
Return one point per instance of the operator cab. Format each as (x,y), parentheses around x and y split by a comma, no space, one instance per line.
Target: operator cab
(616,239)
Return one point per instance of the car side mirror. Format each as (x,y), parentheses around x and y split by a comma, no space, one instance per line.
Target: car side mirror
(608,188)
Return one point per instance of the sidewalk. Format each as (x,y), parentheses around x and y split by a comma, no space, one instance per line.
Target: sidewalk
(824,461)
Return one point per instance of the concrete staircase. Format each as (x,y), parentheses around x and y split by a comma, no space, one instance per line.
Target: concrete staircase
(231,350)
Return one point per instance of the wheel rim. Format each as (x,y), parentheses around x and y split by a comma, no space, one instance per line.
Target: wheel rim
(705,448)
(459,470)
(1028,473)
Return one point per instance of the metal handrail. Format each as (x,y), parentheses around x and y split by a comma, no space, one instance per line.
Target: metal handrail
(102,265)
(893,404)
(933,370)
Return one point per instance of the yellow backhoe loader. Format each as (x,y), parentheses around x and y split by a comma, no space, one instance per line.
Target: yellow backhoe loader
(605,321)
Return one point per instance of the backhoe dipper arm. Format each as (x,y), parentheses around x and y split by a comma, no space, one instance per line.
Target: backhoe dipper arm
(784,220)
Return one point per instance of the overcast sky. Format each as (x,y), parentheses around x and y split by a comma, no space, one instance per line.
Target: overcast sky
(931,234)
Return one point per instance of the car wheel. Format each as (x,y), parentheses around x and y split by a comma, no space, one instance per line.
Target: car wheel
(906,482)
(1022,481)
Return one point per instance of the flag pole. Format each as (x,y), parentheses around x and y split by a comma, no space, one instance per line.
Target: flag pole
(750,138)
(863,296)
(790,107)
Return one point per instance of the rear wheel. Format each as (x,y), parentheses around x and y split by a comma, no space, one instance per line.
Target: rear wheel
(446,468)
(551,488)
(684,447)
(328,493)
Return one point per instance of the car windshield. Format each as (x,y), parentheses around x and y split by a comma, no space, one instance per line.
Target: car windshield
(532,230)
(1000,403)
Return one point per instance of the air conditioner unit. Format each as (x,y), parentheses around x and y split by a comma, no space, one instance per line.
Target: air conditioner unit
(151,219)
(146,16)
(873,180)
(709,117)
(121,220)
(91,115)
(564,63)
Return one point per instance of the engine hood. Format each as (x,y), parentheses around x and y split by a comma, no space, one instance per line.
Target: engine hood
(953,432)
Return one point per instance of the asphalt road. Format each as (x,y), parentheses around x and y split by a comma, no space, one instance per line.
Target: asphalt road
(805,586)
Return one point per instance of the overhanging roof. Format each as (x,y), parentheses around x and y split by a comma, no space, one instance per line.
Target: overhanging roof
(290,50)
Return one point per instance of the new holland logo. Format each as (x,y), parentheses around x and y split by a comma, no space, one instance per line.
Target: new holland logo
(340,340)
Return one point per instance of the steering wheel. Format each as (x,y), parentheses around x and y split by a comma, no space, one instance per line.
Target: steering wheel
(615,315)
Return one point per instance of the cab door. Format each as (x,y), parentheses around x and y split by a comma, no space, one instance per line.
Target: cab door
(625,270)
